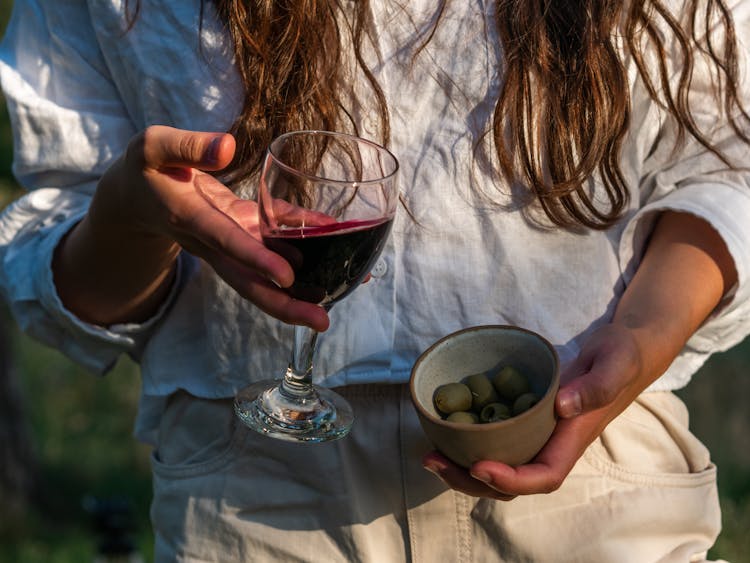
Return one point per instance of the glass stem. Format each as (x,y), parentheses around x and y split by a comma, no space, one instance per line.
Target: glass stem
(297,383)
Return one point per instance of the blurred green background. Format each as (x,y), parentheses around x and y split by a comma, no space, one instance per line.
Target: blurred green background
(73,433)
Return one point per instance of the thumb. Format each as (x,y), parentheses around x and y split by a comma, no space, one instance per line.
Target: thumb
(587,386)
(568,401)
(160,147)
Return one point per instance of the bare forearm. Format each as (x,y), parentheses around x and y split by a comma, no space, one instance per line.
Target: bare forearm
(106,277)
(116,265)
(685,273)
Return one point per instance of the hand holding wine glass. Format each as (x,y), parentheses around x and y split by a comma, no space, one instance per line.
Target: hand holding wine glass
(157,199)
(326,203)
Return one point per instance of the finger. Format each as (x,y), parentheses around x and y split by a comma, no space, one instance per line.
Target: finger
(547,471)
(160,147)
(280,305)
(603,373)
(533,478)
(596,388)
(568,400)
(270,299)
(236,245)
(265,295)
(244,212)
(459,479)
(212,234)
(219,223)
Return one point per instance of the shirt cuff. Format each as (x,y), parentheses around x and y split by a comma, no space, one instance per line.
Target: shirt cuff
(95,347)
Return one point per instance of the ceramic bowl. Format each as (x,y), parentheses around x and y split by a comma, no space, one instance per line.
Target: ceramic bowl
(515,440)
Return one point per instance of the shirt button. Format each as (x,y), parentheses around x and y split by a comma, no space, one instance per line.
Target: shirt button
(379,269)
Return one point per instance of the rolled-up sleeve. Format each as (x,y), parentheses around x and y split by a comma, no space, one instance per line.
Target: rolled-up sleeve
(694,180)
(69,124)
(724,202)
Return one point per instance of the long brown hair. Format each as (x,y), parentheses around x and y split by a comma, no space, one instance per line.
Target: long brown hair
(563,111)
(290,58)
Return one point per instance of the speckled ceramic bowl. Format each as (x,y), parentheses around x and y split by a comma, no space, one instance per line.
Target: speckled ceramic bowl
(477,349)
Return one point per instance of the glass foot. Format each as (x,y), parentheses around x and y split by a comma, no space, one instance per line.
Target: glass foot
(320,417)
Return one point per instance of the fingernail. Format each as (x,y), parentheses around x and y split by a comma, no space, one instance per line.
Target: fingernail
(570,404)
(212,152)
(434,468)
(481,476)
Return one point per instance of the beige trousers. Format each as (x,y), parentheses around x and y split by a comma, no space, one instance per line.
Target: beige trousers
(644,492)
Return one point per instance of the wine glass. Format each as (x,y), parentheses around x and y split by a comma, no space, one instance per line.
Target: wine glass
(326,203)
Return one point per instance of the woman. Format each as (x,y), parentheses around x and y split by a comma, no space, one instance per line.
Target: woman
(567,168)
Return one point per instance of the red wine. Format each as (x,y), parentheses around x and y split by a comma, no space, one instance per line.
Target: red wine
(329,261)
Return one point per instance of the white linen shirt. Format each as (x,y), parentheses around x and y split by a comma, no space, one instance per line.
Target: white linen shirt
(78,86)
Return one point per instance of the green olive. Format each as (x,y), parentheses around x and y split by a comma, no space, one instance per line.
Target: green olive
(465,417)
(494,412)
(524,402)
(510,383)
(452,397)
(482,391)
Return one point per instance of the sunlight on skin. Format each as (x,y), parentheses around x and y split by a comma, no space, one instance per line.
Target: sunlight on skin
(171,202)
(683,276)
